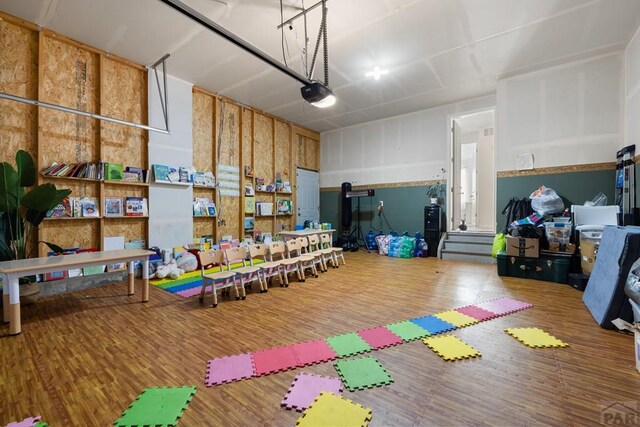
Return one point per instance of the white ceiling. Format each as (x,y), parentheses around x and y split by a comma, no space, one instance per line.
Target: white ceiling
(436,51)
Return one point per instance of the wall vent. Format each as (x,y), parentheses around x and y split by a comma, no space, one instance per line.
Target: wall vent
(488,131)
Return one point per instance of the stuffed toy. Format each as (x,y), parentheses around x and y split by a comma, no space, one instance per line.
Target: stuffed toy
(170,270)
(187,261)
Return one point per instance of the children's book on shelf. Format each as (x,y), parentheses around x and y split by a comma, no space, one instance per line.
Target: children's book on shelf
(113,206)
(76,206)
(283,206)
(248,190)
(135,206)
(60,210)
(204,179)
(248,224)
(260,184)
(264,208)
(249,204)
(198,178)
(89,206)
(113,172)
(183,174)
(203,206)
(173,175)
(197,210)
(211,208)
(134,174)
(160,173)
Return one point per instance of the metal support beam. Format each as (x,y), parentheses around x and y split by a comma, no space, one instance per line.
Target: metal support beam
(293,18)
(100,116)
(224,33)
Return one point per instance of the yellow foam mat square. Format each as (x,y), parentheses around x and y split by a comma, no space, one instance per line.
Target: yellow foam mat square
(451,348)
(456,318)
(535,337)
(331,410)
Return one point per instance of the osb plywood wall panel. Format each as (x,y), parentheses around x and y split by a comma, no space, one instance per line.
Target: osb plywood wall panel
(203,154)
(230,152)
(69,78)
(130,228)
(18,76)
(246,138)
(124,97)
(203,226)
(124,191)
(312,154)
(263,147)
(70,233)
(282,152)
(263,224)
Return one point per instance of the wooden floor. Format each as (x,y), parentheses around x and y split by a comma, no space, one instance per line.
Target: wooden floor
(83,358)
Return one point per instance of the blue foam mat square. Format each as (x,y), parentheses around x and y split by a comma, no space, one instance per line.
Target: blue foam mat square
(433,324)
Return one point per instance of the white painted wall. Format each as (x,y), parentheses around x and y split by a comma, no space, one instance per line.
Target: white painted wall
(170,207)
(410,147)
(563,115)
(632,91)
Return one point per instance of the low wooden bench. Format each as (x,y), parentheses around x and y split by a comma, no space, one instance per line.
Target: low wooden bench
(12,270)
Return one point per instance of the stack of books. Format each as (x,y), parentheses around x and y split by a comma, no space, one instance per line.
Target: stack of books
(75,207)
(75,170)
(203,206)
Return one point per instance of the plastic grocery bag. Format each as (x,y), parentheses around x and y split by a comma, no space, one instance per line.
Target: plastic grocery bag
(546,201)
(407,247)
(499,244)
(394,246)
(383,244)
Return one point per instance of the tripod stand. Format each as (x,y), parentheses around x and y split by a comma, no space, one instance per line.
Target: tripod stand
(357,230)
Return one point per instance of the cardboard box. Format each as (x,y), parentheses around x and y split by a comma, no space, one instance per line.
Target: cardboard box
(523,247)
(635,328)
(588,252)
(568,248)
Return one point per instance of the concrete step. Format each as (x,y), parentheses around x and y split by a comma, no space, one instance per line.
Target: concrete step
(468,247)
(470,237)
(462,256)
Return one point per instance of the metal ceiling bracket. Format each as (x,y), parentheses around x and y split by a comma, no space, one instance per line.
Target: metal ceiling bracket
(100,116)
(304,12)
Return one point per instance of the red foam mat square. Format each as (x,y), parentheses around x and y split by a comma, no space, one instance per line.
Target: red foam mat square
(310,352)
(380,337)
(274,360)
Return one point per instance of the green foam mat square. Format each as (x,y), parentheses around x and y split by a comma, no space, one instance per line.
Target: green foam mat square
(358,374)
(408,330)
(157,407)
(348,344)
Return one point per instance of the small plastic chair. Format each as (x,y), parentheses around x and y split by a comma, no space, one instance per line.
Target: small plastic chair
(277,253)
(220,279)
(269,269)
(247,274)
(311,249)
(306,262)
(325,239)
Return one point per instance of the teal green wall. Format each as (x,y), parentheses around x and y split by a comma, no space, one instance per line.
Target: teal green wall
(575,188)
(403,209)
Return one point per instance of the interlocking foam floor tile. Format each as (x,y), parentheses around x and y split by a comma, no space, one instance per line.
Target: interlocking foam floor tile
(157,407)
(348,344)
(365,372)
(310,352)
(306,388)
(455,318)
(535,337)
(502,306)
(477,313)
(451,348)
(228,369)
(433,324)
(335,411)
(275,359)
(408,331)
(27,422)
(380,337)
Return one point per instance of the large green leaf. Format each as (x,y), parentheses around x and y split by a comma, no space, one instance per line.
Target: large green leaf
(6,253)
(40,198)
(55,248)
(34,215)
(26,169)
(60,195)
(8,188)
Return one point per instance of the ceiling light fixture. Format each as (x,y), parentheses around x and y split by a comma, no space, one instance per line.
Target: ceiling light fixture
(376,73)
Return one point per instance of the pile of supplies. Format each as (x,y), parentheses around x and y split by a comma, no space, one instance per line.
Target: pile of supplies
(403,246)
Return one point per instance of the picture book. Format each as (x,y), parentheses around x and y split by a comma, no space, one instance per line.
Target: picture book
(248,190)
(211,208)
(283,206)
(199,179)
(76,205)
(113,172)
(196,208)
(173,175)
(89,206)
(248,224)
(134,206)
(249,205)
(183,174)
(209,180)
(161,173)
(59,210)
(113,206)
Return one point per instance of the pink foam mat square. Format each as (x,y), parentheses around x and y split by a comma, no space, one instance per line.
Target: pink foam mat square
(228,369)
(27,422)
(274,360)
(310,352)
(476,312)
(380,337)
(305,388)
(502,306)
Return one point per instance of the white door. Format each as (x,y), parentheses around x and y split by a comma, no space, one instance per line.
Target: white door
(473,172)
(307,196)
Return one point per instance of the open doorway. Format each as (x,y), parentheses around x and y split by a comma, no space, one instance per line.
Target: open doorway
(473,174)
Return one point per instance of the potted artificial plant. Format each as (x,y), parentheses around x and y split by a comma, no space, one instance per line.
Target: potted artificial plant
(435,192)
(23,206)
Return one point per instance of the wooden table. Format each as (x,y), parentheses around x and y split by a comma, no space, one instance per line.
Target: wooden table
(12,270)
(304,233)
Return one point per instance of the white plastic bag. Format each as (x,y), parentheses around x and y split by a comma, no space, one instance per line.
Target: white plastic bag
(546,201)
